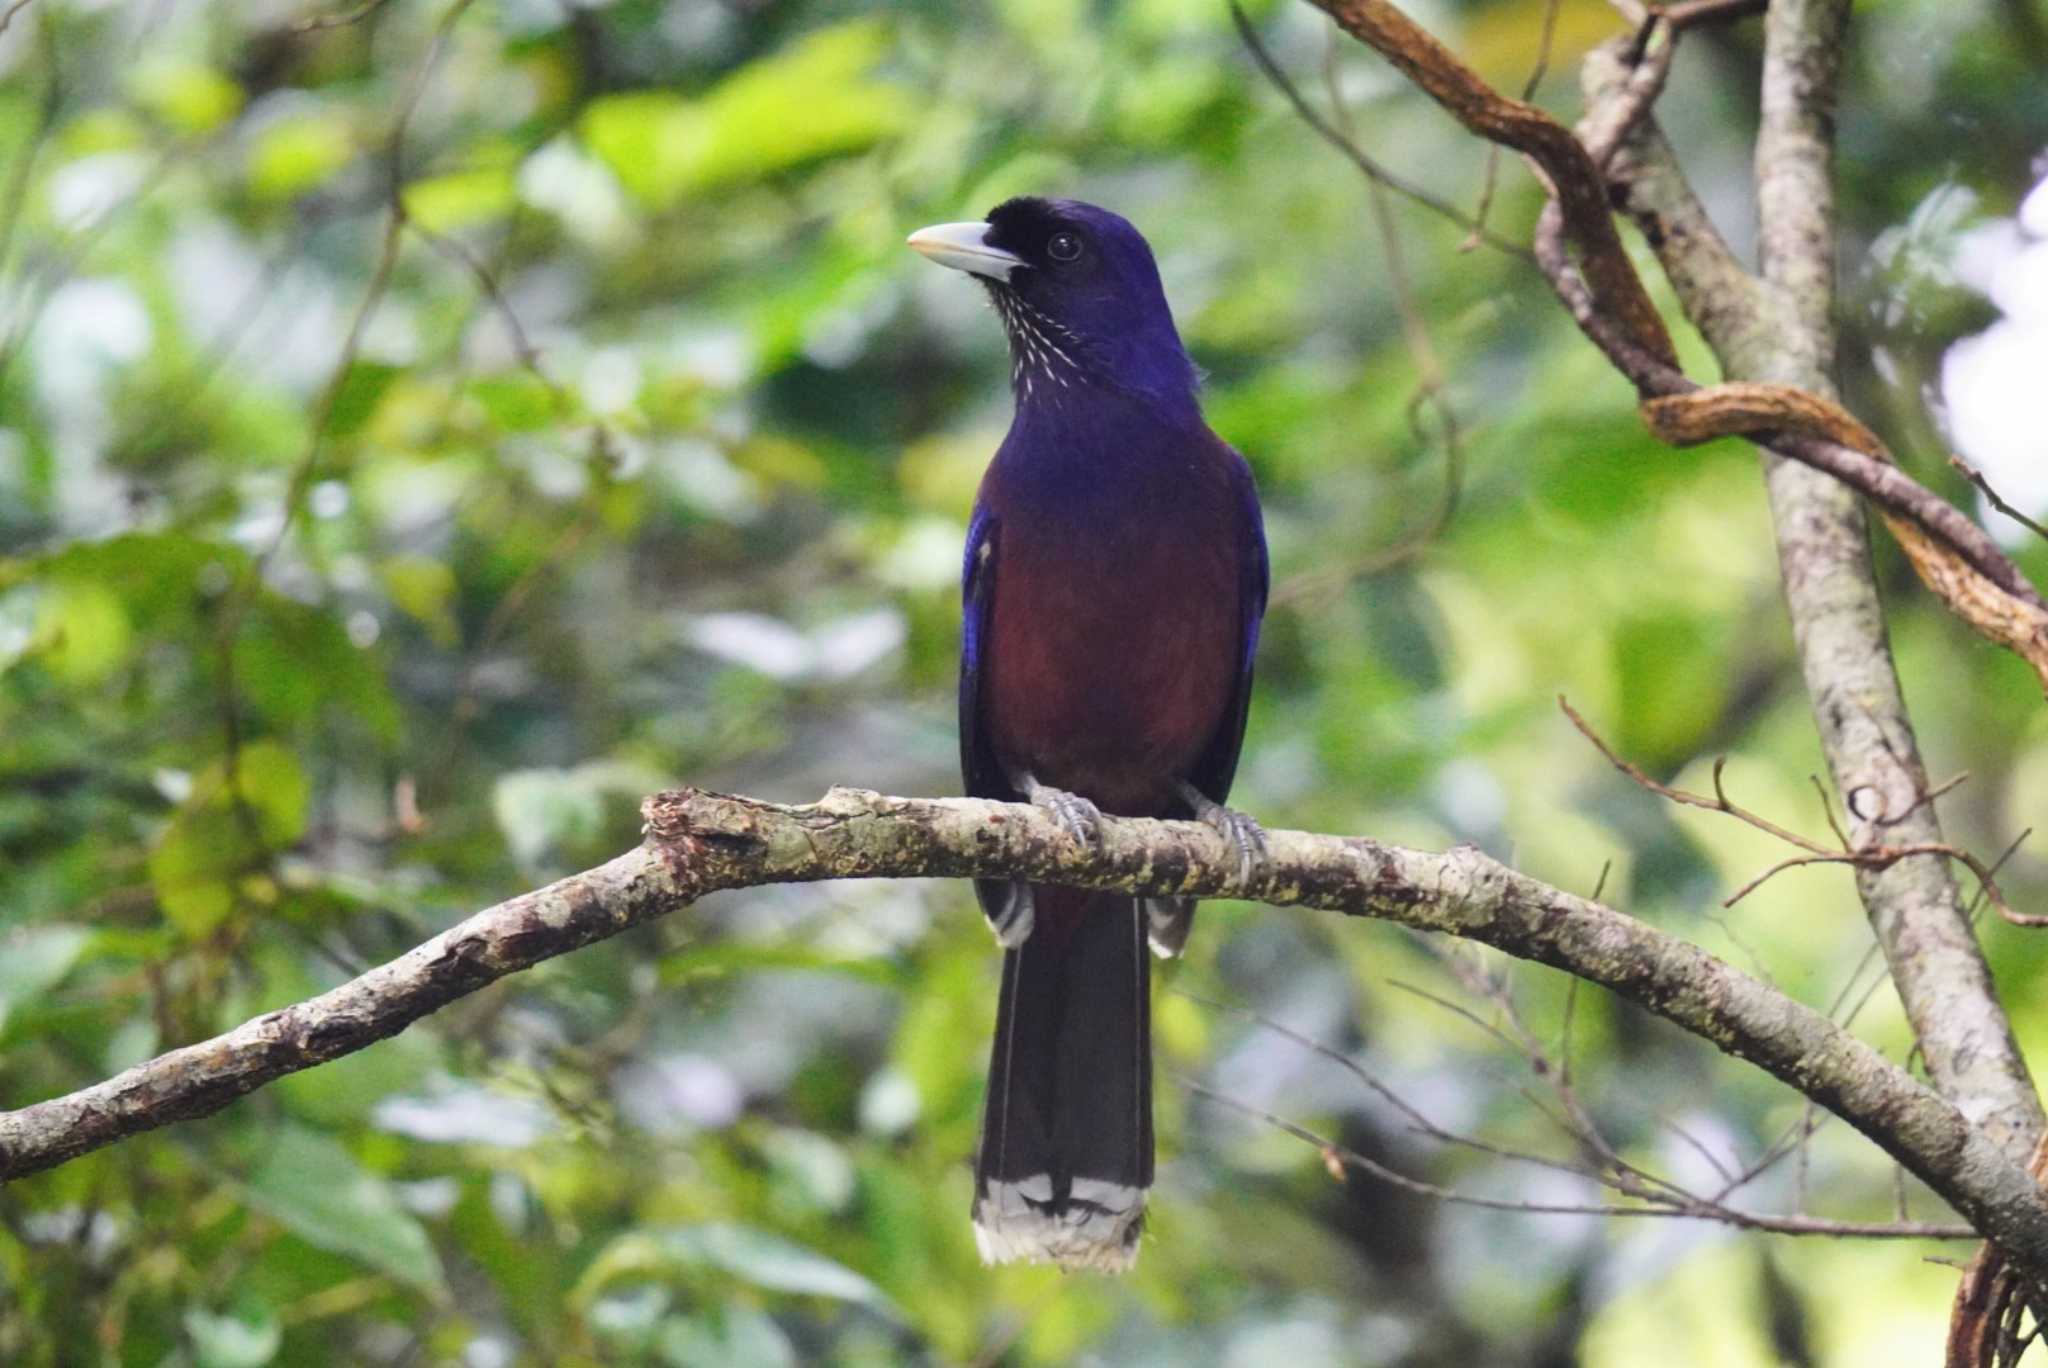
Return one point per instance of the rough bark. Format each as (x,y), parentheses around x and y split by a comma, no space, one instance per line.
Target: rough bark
(1782,329)
(701,842)
(1580,253)
(1779,330)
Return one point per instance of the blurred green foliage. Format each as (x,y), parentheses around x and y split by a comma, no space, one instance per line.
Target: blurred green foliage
(356,574)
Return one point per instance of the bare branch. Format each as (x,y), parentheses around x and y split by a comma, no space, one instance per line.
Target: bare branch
(1575,183)
(1696,1211)
(701,842)
(1872,855)
(1955,558)
(1337,138)
(1991,496)
(1491,176)
(1718,803)
(1417,1120)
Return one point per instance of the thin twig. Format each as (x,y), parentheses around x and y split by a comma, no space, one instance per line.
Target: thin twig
(1432,391)
(1697,1146)
(523,349)
(1992,496)
(1458,1010)
(1871,857)
(1700,1211)
(1357,155)
(1577,1119)
(1417,1119)
(1718,803)
(1827,810)
(1885,856)
(1940,790)
(1490,177)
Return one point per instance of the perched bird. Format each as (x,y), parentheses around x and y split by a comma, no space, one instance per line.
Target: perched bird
(1113,585)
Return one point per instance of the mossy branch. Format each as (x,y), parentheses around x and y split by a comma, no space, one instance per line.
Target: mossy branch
(700,842)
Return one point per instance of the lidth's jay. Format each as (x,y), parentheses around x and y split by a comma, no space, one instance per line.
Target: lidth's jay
(1114,581)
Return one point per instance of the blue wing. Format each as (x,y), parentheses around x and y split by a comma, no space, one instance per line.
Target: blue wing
(978,767)
(1005,903)
(1217,766)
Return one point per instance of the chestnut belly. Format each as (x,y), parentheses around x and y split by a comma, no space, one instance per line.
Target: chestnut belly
(1111,683)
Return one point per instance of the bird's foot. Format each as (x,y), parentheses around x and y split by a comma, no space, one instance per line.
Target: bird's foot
(1081,819)
(1243,832)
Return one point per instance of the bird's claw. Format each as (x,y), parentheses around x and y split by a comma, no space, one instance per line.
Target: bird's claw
(1241,829)
(1080,818)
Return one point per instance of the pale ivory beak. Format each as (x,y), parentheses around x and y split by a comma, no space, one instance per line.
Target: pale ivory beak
(964,247)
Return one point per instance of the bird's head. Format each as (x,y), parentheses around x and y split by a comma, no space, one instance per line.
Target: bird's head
(1079,295)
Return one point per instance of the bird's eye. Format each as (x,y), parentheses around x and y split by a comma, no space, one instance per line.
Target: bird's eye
(1064,247)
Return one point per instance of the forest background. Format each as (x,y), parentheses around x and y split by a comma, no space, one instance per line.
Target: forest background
(454,421)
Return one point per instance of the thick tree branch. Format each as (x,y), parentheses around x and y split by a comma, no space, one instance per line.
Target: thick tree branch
(1954,556)
(1779,331)
(1760,330)
(1783,331)
(701,842)
(1512,123)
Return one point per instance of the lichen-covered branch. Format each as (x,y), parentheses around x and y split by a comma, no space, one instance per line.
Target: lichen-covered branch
(1954,556)
(1777,332)
(701,842)
(1781,329)
(201,1079)
(1762,332)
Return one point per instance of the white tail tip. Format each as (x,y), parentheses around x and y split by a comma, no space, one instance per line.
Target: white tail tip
(1096,1229)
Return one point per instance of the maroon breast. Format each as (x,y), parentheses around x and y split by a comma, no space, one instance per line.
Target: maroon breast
(1111,661)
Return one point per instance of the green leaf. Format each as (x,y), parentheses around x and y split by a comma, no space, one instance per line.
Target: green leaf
(442,204)
(356,401)
(210,842)
(518,402)
(273,784)
(190,871)
(294,661)
(158,575)
(424,589)
(315,1188)
(298,153)
(663,147)
(36,958)
(191,98)
(105,129)
(541,810)
(82,631)
(232,1341)
(756,1257)
(726,1335)
(545,812)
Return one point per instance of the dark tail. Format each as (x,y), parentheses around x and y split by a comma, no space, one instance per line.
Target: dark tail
(1066,1142)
